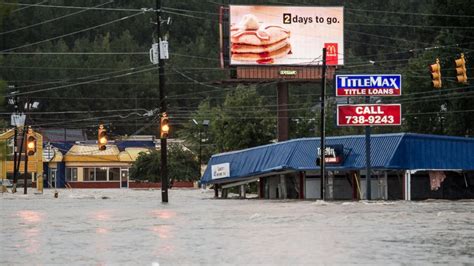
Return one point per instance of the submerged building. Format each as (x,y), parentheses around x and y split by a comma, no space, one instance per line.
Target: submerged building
(66,163)
(404,166)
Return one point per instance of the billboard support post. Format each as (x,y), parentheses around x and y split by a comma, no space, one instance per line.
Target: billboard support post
(322,149)
(367,157)
(282,121)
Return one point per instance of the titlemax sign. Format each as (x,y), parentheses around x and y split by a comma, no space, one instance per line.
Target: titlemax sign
(369,85)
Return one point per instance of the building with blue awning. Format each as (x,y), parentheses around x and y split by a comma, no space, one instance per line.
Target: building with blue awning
(404,166)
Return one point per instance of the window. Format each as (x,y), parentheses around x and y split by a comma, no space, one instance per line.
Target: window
(114,174)
(71,174)
(89,174)
(101,174)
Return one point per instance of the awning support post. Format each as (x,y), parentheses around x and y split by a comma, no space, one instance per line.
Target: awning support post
(407,183)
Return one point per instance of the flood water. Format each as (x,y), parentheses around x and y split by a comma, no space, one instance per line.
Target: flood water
(104,227)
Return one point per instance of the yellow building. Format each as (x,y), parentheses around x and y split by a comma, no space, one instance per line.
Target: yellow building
(75,164)
(35,162)
(85,166)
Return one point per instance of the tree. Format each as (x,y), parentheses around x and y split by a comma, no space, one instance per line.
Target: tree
(182,165)
(242,121)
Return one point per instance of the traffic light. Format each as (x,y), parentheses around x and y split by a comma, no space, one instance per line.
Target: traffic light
(461,69)
(102,138)
(436,74)
(164,126)
(30,143)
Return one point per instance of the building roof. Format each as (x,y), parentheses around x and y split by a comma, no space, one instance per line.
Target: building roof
(402,151)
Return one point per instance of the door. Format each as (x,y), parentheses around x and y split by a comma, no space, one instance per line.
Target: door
(124,178)
(52,174)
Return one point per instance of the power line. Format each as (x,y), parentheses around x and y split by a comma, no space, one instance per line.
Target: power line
(73,33)
(409,13)
(85,82)
(80,7)
(409,26)
(51,20)
(74,53)
(81,78)
(28,6)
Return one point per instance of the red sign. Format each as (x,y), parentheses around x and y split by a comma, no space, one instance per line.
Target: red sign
(331,53)
(369,114)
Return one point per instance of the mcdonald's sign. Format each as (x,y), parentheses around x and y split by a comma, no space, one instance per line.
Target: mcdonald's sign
(331,53)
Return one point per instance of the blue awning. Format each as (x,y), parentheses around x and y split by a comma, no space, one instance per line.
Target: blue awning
(402,151)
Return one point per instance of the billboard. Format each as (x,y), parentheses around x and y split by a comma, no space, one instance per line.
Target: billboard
(369,114)
(286,35)
(369,85)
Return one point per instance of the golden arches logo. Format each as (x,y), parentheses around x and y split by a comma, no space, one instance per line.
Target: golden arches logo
(331,50)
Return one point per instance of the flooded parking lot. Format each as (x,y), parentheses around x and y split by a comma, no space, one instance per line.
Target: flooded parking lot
(134,227)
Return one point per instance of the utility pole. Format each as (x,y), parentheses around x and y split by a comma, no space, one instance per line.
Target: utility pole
(161,83)
(322,147)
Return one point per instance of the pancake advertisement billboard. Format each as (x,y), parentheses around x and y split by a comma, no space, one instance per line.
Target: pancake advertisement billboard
(286,35)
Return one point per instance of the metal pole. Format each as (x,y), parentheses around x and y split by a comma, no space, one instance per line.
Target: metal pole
(323,129)
(15,144)
(25,134)
(282,111)
(367,157)
(25,178)
(18,161)
(200,149)
(161,83)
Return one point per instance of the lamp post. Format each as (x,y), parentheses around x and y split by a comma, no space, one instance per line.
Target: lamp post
(206,124)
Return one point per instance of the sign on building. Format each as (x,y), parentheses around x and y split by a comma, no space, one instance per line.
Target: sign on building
(333,154)
(220,170)
(369,114)
(286,35)
(369,85)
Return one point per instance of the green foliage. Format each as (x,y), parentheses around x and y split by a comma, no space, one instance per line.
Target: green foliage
(241,121)
(146,167)
(182,165)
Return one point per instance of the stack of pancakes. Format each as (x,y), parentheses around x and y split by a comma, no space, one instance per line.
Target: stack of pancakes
(260,44)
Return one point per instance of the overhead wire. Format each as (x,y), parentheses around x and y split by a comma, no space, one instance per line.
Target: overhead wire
(51,20)
(81,7)
(85,82)
(28,6)
(73,33)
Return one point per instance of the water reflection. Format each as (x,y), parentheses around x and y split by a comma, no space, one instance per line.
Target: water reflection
(163,231)
(30,216)
(102,215)
(31,235)
(101,230)
(163,214)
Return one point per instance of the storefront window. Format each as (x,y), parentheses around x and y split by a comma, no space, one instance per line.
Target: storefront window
(101,174)
(71,174)
(95,174)
(89,174)
(114,174)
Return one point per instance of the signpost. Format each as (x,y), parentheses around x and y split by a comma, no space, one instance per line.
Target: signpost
(366,85)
